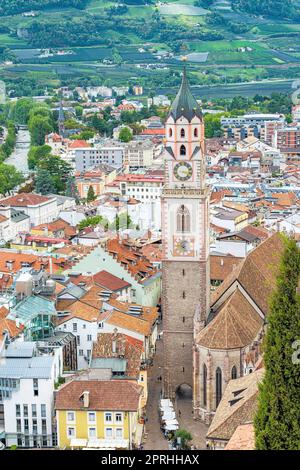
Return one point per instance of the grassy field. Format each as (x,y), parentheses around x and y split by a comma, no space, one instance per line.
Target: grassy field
(226,61)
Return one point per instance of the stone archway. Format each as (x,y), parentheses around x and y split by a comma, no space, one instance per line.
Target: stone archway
(183,400)
(184,391)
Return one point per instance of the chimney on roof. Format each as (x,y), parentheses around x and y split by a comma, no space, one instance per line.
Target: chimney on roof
(86,399)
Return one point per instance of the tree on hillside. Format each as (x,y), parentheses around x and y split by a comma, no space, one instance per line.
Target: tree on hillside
(22,109)
(9,178)
(91,196)
(43,182)
(39,127)
(277,419)
(58,169)
(71,188)
(213,127)
(125,135)
(36,154)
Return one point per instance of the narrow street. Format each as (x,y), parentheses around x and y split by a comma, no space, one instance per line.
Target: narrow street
(154,438)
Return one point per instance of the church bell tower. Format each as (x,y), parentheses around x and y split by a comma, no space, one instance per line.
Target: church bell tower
(185,235)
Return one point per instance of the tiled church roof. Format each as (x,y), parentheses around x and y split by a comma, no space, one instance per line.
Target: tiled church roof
(238,406)
(234,321)
(258,273)
(234,326)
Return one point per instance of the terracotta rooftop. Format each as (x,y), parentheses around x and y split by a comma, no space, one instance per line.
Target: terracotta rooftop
(77,144)
(8,325)
(243,438)
(161,132)
(222,265)
(104,395)
(125,348)
(259,232)
(55,226)
(24,200)
(257,274)
(3,219)
(137,264)
(235,325)
(109,281)
(285,199)
(238,406)
(11,262)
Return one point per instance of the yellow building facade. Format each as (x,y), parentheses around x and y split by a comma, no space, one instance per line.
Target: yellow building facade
(89,425)
(99,414)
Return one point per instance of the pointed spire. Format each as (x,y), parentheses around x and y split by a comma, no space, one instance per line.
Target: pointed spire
(61,115)
(185,104)
(61,119)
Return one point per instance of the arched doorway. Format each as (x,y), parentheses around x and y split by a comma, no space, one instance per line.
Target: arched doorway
(184,402)
(184,392)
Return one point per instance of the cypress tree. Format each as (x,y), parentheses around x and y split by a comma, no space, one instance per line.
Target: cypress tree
(277,420)
(91,196)
(71,189)
(44,183)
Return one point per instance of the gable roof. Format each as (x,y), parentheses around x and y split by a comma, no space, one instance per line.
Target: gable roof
(235,325)
(112,395)
(257,274)
(109,281)
(221,265)
(8,325)
(238,406)
(128,348)
(25,199)
(243,438)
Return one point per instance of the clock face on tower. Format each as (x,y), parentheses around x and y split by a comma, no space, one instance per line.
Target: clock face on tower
(183,171)
(183,246)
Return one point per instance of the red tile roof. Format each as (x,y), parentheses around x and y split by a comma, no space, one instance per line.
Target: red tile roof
(109,281)
(129,348)
(24,200)
(112,395)
(77,144)
(11,262)
(2,218)
(8,325)
(161,132)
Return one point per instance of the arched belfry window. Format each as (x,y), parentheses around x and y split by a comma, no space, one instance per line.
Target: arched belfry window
(183,219)
(218,386)
(204,379)
(196,132)
(233,373)
(182,150)
(182,133)
(170,132)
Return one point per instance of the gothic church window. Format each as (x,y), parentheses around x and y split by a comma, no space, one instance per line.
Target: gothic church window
(182,133)
(233,373)
(182,150)
(218,386)
(204,385)
(183,219)
(196,132)
(170,132)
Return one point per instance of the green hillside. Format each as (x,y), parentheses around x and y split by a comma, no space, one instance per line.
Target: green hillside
(47,43)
